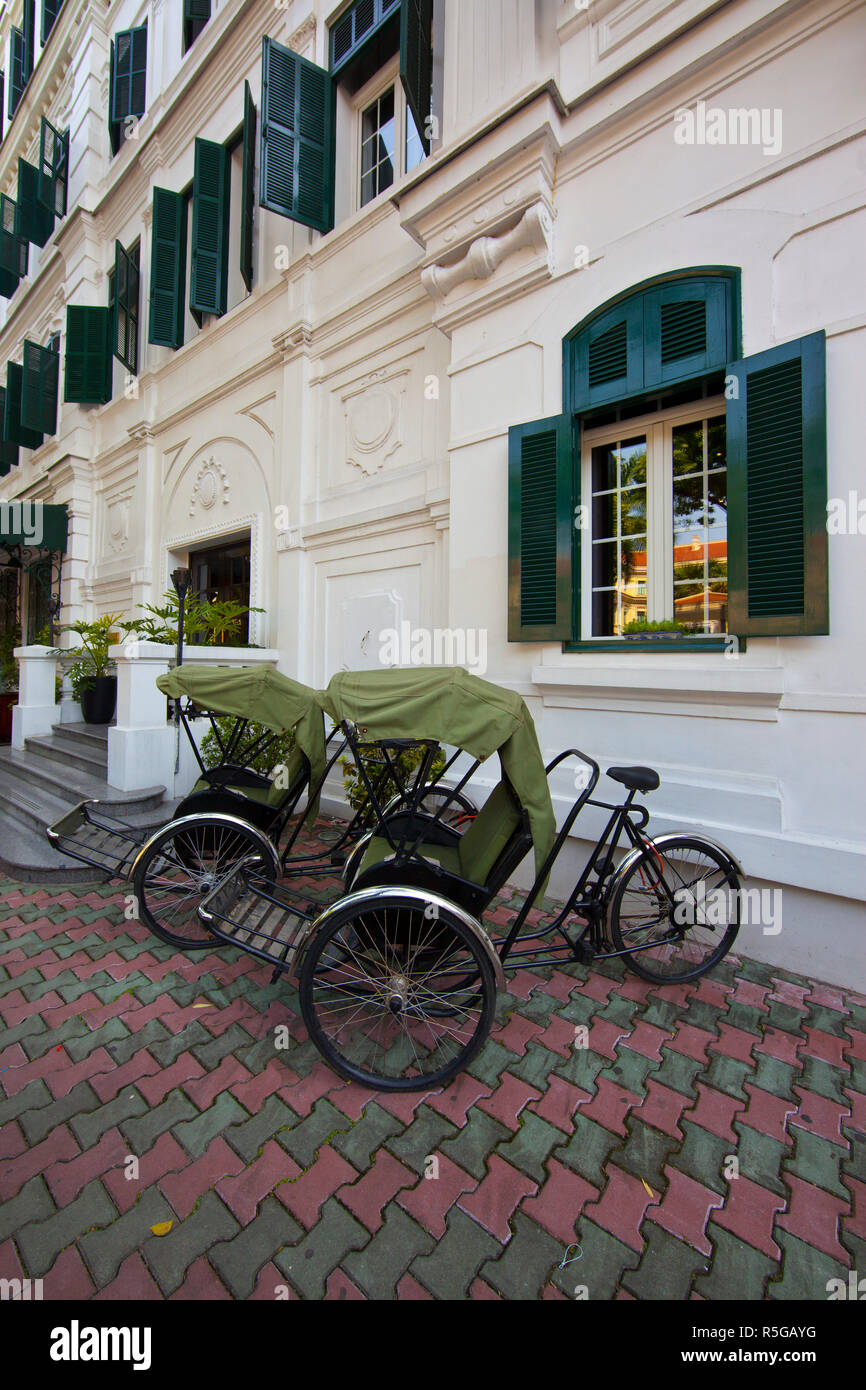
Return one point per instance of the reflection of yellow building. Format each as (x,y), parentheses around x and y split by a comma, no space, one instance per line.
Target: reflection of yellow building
(705,611)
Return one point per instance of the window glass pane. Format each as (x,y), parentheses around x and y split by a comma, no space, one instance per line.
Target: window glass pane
(619,534)
(700,529)
(377,146)
(414,148)
(688,446)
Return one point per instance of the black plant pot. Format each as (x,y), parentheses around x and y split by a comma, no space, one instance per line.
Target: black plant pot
(99,700)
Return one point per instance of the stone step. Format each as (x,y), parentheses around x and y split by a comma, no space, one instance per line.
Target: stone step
(72,785)
(27,857)
(91,735)
(66,752)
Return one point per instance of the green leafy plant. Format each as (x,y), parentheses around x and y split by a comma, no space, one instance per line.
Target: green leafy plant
(8,665)
(407,763)
(265,761)
(218,619)
(665,625)
(92,658)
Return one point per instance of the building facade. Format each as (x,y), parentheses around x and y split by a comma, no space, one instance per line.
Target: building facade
(525,334)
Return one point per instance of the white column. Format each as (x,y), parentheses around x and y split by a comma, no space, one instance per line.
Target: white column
(36,712)
(141,746)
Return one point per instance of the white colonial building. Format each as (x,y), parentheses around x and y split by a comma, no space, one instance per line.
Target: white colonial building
(538,323)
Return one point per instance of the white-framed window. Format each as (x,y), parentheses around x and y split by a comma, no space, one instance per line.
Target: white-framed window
(655,549)
(385,139)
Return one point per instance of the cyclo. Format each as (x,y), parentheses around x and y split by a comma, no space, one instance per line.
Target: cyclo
(398,978)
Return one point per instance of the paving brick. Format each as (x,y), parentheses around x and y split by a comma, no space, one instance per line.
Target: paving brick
(242,1192)
(645,1154)
(458,1098)
(68,1279)
(248,1135)
(202,1284)
(67,1177)
(31,1204)
(737,1272)
(12,1141)
(667,1269)
(661,1109)
(184,1188)
(497,1196)
(316,1255)
(531,1147)
(602,1264)
(684,1210)
(196,1134)
(359,1144)
(588,1150)
(156,1088)
(168,1257)
(529,1259)
(108,1084)
(715,1112)
(150,1036)
(165,1157)
(819,1115)
(749,1214)
(469,1147)
(817,1161)
(610,1106)
(457,1258)
(433,1197)
(559,1202)
(813,1216)
(304,1196)
(379,1266)
(142,1131)
(367,1197)
(88,1127)
(537,1064)
(239,1260)
(678,1072)
(40,1241)
(58,1145)
(806,1272)
(767,1114)
(106,1250)
(508,1100)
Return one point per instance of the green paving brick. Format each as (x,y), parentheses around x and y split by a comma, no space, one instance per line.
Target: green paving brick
(678,1072)
(248,1136)
(112,1031)
(450,1269)
(817,1160)
(32,1204)
(728,1075)
(581,1068)
(33,1096)
(619,1010)
(703,1156)
(104,1251)
(737,1272)
(539,1007)
(41,1242)
(667,1269)
(153,1032)
(746,1016)
(37,1045)
(665,1014)
(756,972)
(588,1150)
(26,982)
(531,1146)
(80,1102)
(776,1077)
(824,1080)
(167,1049)
(238,1261)
(169,1257)
(210,1054)
(857,1250)
(631,1070)
(603,1262)
(702,1015)
(580,1009)
(196,1135)
(825,1020)
(429,1130)
(785,1017)
(854,1165)
(530,1257)
(88,1128)
(645,1153)
(71,989)
(491,1062)
(141,1134)
(366,1136)
(302,1138)
(470,1148)
(308,1262)
(805,1271)
(761,1158)
(379,1267)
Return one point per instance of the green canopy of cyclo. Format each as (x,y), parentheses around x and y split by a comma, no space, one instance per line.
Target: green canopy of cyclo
(448,704)
(261,695)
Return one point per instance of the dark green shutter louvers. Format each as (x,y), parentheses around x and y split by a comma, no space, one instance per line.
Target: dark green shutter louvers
(129,74)
(53,168)
(355,26)
(297,140)
(35,221)
(683,329)
(14,251)
(18,70)
(416,62)
(125,307)
(540,521)
(2,100)
(8,450)
(50,10)
(88,354)
(28,25)
(13,429)
(777,492)
(196,14)
(167,269)
(41,375)
(608,356)
(211,192)
(248,187)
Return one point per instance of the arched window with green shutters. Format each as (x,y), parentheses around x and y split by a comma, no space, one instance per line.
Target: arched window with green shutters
(639,351)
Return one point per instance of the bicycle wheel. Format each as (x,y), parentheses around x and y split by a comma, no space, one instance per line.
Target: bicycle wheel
(681,905)
(181,864)
(393,998)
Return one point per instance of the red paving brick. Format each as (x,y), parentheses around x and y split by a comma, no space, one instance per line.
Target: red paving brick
(432,1198)
(203,1090)
(12,1141)
(855,1224)
(133,1283)
(268,1281)
(813,1216)
(647,1040)
(340,1286)
(783,1046)
(560,1202)
(518,1031)
(201,1284)
(66,1179)
(610,1105)
(242,1192)
(684,1210)
(558,1036)
(459,1097)
(621,1207)
(604,1036)
(825,1047)
(59,1145)
(479,1290)
(183,1189)
(715,1112)
(691,1042)
(662,1108)
(156,1088)
(734,1042)
(368,1197)
(767,1114)
(61,1081)
(509,1098)
(109,1084)
(166,1156)
(68,1279)
(820,1115)
(559,1104)
(302,1096)
(749,1213)
(305,1196)
(494,1202)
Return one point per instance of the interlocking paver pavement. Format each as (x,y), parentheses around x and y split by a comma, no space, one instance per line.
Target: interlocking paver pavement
(708,1143)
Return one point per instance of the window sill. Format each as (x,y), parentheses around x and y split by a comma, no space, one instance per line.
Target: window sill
(723,643)
(728,690)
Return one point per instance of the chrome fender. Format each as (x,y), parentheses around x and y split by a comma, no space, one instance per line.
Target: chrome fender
(214,818)
(660,841)
(370,895)
(352,862)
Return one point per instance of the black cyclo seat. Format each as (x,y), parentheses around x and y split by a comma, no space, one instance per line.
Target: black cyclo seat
(637,779)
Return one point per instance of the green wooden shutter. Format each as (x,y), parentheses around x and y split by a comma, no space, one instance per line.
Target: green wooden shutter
(416,62)
(297,141)
(211,194)
(540,529)
(18,70)
(35,222)
(8,450)
(50,10)
(14,430)
(125,307)
(13,250)
(167,269)
(88,354)
(28,26)
(607,357)
(196,14)
(41,374)
(356,27)
(53,168)
(777,492)
(688,330)
(2,99)
(129,74)
(248,190)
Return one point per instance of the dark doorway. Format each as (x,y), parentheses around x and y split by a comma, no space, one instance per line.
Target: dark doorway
(223,573)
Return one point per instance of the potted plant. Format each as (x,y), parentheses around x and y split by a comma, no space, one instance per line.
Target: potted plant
(92,675)
(8,680)
(641,630)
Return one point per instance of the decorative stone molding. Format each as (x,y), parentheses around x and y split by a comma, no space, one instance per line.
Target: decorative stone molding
(304,35)
(117,512)
(373,416)
(300,335)
(210,488)
(141,432)
(534,231)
